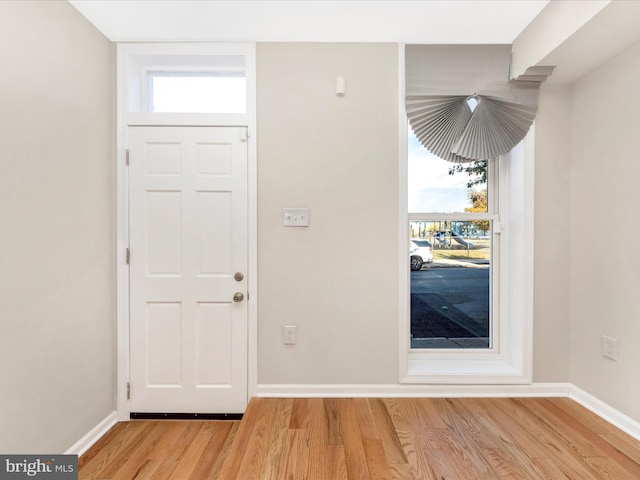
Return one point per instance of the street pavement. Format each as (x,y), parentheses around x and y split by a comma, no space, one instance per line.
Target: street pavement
(465,290)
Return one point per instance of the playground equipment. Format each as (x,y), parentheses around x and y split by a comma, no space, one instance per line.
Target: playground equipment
(458,238)
(443,238)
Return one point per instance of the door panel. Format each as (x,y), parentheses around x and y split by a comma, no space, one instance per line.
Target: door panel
(164,233)
(163,327)
(188,237)
(215,232)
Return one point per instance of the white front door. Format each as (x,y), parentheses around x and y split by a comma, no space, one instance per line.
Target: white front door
(188,241)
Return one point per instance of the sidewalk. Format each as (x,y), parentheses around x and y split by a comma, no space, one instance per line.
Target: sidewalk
(450,263)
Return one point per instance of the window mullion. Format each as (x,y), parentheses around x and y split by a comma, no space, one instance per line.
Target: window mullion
(456,217)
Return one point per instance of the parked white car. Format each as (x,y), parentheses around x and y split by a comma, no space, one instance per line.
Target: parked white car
(420,252)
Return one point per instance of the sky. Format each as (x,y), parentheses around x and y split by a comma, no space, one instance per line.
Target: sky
(431,188)
(199,93)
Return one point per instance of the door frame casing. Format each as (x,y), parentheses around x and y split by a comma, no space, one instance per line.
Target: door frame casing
(124,119)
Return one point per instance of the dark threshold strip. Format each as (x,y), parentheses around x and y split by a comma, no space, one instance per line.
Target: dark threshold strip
(185,416)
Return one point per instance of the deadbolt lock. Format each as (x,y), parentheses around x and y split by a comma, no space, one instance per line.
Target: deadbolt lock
(238,277)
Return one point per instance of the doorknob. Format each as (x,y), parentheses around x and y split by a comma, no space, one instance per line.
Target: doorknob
(238,297)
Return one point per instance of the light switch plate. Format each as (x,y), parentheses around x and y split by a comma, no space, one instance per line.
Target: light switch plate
(296,217)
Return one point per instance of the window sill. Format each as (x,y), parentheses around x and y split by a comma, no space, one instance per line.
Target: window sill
(476,367)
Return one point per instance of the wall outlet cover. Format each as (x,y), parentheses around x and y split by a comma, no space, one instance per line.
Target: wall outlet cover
(609,347)
(296,217)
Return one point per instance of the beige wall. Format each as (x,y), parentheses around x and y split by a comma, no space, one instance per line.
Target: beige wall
(552,233)
(337,280)
(605,265)
(57,345)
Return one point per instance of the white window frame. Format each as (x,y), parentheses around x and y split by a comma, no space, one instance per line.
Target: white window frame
(133,62)
(509,361)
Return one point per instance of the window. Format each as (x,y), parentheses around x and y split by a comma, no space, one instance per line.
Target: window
(452,210)
(503,234)
(207,82)
(196,92)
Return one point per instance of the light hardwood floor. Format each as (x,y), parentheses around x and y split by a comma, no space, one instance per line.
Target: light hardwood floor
(373,439)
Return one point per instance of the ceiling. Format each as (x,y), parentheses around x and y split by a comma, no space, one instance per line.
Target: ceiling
(417,21)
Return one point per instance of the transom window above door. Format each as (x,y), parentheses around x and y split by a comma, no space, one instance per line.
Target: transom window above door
(196,92)
(204,83)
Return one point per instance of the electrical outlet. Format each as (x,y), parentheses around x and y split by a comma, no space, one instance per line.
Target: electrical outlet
(296,217)
(609,347)
(289,334)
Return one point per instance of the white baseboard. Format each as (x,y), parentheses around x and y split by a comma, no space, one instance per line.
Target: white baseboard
(93,435)
(405,390)
(605,411)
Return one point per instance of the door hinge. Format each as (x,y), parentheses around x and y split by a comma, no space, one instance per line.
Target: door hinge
(127,157)
(127,256)
(128,391)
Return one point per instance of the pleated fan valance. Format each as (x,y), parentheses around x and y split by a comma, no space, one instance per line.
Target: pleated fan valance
(462,105)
